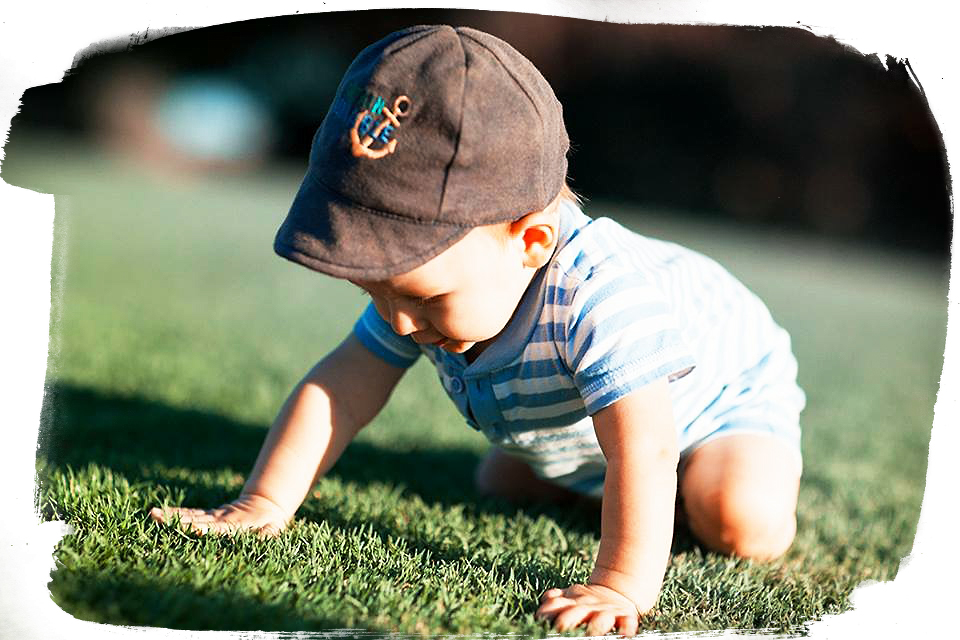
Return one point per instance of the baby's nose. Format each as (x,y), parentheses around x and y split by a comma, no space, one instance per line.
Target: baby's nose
(403,321)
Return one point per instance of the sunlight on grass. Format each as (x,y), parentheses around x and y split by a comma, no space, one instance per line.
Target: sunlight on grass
(177,334)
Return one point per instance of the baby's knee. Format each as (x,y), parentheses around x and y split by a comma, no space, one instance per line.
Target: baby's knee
(486,480)
(501,475)
(747,523)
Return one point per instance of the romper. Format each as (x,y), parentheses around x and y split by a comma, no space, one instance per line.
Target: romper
(611,312)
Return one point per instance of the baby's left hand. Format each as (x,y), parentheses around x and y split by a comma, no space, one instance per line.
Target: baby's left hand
(602,608)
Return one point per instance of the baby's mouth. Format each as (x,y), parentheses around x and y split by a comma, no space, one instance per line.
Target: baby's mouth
(425,340)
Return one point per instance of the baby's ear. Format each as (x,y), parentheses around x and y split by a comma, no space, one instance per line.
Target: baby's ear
(538,232)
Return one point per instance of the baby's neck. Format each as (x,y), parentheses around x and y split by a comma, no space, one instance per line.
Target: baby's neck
(474,352)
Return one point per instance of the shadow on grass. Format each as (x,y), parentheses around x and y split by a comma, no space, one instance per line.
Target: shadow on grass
(141,438)
(132,436)
(105,597)
(144,440)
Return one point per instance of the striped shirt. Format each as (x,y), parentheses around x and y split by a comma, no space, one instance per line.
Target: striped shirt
(611,312)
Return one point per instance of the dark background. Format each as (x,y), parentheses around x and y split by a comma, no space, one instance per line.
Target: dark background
(759,126)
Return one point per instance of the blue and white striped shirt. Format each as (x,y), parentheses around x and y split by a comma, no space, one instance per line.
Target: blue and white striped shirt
(611,312)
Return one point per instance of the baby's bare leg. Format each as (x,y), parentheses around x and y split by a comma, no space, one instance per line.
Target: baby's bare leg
(504,476)
(740,495)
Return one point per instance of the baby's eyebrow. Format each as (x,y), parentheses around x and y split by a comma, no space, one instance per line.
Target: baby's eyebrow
(412,295)
(421,295)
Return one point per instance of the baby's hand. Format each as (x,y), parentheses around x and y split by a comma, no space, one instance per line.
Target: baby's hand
(246,512)
(602,608)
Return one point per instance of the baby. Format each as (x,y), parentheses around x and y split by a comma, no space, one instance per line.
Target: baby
(598,362)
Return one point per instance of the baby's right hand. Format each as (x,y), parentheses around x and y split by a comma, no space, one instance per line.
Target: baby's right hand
(249,511)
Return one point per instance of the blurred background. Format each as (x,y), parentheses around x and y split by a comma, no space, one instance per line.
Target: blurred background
(813,173)
(754,126)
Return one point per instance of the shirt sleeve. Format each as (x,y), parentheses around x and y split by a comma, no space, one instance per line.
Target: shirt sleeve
(619,335)
(376,335)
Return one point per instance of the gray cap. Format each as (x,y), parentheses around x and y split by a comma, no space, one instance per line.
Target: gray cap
(434,130)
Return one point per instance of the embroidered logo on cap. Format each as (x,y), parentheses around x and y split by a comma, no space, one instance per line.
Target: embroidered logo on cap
(373,128)
(378,124)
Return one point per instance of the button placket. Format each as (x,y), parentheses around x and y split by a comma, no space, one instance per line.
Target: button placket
(483,402)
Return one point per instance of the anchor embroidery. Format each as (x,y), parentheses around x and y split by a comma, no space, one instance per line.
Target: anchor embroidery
(366,129)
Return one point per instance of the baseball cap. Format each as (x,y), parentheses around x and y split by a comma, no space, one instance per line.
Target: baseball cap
(434,130)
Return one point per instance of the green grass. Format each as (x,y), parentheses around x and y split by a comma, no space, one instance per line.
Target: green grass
(176,334)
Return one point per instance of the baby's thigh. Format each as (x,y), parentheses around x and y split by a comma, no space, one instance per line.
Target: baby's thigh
(740,494)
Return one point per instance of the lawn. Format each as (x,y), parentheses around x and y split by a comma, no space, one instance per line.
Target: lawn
(176,334)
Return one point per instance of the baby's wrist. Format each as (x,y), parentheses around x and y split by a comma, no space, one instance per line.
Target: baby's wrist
(261,501)
(643,596)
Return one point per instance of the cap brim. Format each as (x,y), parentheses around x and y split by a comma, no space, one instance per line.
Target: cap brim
(326,233)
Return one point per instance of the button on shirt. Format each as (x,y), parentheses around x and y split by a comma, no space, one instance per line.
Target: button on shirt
(611,312)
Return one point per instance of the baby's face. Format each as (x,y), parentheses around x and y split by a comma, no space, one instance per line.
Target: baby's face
(464,296)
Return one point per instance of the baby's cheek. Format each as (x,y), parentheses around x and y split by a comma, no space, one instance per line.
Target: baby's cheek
(471,321)
(476,325)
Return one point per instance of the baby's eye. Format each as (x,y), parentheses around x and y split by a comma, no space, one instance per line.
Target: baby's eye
(421,302)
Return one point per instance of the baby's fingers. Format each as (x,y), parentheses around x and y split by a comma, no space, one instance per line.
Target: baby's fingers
(269,530)
(552,606)
(628,625)
(166,514)
(212,525)
(222,520)
(194,520)
(600,623)
(571,617)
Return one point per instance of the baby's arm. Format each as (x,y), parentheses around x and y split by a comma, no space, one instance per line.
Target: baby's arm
(638,438)
(337,398)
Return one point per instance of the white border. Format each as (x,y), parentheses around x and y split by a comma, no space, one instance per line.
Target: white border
(38,43)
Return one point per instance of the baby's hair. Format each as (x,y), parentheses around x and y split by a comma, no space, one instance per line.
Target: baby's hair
(566,193)
(502,229)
